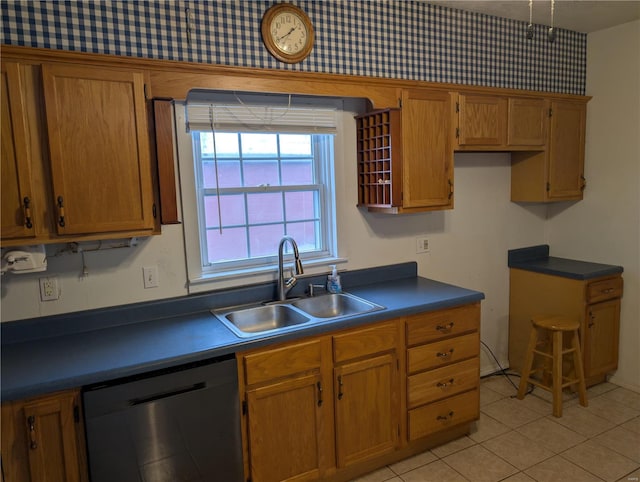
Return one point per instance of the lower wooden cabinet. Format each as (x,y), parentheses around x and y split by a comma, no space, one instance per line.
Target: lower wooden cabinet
(438,416)
(43,439)
(443,370)
(601,338)
(366,393)
(595,303)
(341,404)
(285,429)
(320,404)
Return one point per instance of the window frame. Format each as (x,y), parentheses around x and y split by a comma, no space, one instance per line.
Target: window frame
(319,188)
(199,279)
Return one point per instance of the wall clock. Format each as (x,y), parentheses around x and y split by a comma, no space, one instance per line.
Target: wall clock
(287,33)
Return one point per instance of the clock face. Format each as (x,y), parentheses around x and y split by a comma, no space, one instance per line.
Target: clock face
(287,33)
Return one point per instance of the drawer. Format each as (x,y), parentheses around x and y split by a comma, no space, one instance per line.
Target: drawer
(280,362)
(444,414)
(436,325)
(604,290)
(439,353)
(375,339)
(443,382)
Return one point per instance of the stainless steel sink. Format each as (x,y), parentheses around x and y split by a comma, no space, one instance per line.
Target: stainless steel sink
(263,318)
(335,305)
(282,316)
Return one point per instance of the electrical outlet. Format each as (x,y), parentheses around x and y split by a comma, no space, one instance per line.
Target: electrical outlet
(150,274)
(422,245)
(49,288)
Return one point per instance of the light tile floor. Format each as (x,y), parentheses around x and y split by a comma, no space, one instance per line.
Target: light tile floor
(520,441)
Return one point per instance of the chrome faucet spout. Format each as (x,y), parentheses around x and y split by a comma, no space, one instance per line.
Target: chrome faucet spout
(285,286)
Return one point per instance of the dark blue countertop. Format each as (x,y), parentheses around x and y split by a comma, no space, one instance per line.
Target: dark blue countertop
(537,259)
(43,355)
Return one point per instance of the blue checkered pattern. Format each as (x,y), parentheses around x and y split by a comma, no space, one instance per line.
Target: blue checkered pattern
(404,39)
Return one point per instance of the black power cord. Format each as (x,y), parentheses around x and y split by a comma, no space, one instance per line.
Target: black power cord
(504,372)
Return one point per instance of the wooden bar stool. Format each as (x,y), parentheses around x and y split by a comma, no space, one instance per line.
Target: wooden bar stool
(556,326)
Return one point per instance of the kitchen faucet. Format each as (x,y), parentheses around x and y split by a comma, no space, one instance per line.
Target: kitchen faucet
(285,286)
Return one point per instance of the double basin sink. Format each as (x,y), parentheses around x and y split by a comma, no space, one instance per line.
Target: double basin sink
(282,316)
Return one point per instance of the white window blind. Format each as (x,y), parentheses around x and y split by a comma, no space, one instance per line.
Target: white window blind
(224,115)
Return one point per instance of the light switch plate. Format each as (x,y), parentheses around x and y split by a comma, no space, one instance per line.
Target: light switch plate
(150,274)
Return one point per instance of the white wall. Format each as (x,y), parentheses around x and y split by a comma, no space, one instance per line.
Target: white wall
(605,226)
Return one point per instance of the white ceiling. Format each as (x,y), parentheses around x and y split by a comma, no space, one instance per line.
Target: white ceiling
(580,16)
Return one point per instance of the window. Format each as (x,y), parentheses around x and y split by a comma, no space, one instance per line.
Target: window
(257,172)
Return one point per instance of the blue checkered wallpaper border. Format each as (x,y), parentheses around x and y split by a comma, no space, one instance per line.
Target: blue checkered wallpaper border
(403,39)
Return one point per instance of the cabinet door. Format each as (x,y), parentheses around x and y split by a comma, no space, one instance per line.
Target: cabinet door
(566,151)
(427,150)
(40,440)
(99,149)
(367,421)
(601,338)
(287,429)
(16,204)
(482,120)
(527,122)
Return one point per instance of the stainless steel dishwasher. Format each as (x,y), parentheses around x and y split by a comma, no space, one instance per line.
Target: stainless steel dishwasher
(175,425)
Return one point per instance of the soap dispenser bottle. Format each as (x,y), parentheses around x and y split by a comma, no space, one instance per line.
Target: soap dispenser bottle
(333,281)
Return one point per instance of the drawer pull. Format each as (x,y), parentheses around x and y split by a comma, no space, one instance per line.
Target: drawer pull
(444,418)
(445,354)
(445,328)
(444,385)
(608,290)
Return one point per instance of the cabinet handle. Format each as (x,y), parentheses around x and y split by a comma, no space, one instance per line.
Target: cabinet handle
(61,211)
(445,328)
(583,185)
(27,212)
(319,385)
(444,385)
(340,393)
(608,290)
(450,189)
(32,432)
(592,317)
(445,354)
(444,418)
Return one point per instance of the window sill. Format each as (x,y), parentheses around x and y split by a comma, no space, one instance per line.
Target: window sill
(262,274)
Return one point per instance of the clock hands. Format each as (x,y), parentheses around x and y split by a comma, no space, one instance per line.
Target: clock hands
(287,34)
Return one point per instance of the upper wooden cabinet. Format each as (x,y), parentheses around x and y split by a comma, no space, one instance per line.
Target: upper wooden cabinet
(76,154)
(527,122)
(556,174)
(99,148)
(497,123)
(405,156)
(427,148)
(481,120)
(17,190)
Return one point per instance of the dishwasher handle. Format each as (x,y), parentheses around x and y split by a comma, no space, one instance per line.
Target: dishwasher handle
(167,394)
